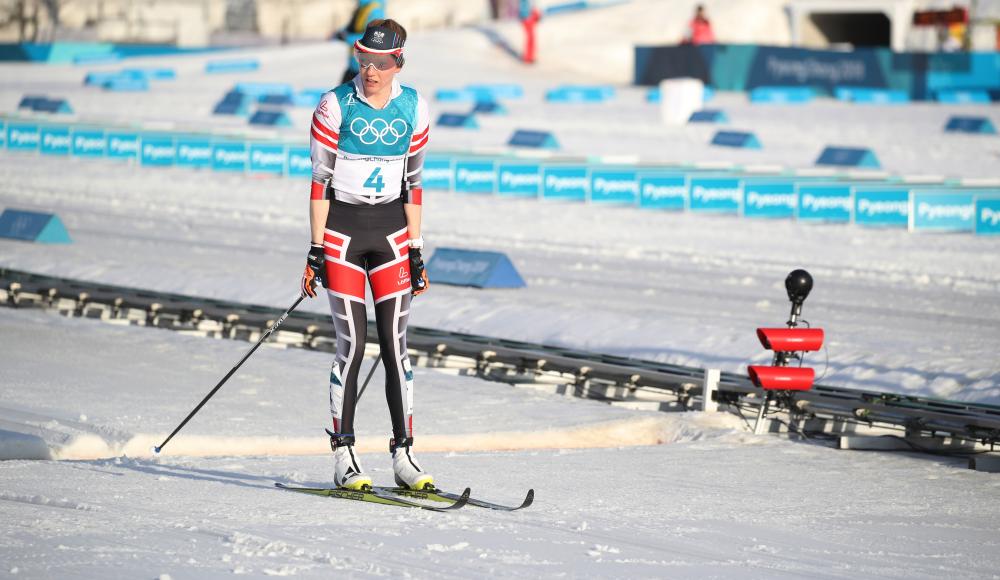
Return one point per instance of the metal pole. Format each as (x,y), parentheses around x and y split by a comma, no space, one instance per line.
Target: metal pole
(232,371)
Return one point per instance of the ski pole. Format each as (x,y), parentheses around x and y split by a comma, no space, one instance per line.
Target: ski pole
(263,337)
(369,377)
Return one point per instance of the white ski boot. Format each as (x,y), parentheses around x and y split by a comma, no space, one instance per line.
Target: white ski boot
(405,467)
(348,473)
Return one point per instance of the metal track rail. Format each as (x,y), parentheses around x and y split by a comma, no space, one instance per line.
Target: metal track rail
(615,379)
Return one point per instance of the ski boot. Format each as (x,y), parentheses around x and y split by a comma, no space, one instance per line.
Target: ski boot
(348,473)
(405,467)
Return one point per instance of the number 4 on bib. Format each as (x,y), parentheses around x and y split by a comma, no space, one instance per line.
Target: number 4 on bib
(375,181)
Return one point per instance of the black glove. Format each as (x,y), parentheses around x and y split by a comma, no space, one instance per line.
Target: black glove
(418,275)
(315,271)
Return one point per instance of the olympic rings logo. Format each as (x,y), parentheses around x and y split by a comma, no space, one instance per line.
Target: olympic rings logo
(389,133)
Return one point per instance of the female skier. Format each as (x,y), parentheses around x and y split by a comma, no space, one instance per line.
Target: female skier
(367,144)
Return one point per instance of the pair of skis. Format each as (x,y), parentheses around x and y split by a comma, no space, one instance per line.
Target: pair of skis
(403,497)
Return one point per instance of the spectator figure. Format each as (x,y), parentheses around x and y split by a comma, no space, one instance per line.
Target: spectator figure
(699,29)
(366,11)
(529,15)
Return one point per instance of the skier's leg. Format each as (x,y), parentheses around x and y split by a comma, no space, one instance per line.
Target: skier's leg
(391,290)
(346,291)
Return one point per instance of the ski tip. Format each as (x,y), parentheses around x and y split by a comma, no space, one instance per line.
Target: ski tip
(528,499)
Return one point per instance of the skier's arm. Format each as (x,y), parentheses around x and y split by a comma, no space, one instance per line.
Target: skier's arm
(323,139)
(413,191)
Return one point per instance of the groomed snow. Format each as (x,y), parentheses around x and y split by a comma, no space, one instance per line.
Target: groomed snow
(711,501)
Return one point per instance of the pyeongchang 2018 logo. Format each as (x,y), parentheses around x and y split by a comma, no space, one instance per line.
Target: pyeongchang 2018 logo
(814,203)
(765,200)
(469,177)
(556,183)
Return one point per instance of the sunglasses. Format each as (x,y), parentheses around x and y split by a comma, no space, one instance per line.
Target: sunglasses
(381,61)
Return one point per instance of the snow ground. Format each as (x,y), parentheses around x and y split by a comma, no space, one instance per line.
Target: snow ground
(712,502)
(908,313)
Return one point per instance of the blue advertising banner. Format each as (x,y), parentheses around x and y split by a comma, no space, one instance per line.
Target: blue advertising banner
(194,152)
(479,269)
(663,191)
(770,199)
(988,216)
(265,158)
(614,186)
(716,194)
(299,162)
(157,150)
(3,133)
(520,179)
(881,206)
(123,145)
(89,143)
(55,140)
(942,211)
(437,173)
(22,137)
(825,202)
(475,177)
(229,156)
(565,182)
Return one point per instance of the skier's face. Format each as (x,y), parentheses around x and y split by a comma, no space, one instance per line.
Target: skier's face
(376,80)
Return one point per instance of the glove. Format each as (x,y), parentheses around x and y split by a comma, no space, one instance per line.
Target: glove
(315,271)
(418,276)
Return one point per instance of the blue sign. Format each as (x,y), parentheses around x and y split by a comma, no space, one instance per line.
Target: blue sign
(89,143)
(454,95)
(437,173)
(157,150)
(270,119)
(231,65)
(299,162)
(123,145)
(708,116)
(229,156)
(739,139)
(663,191)
(55,140)
(580,94)
(885,207)
(457,120)
(194,152)
(30,226)
(22,137)
(519,179)
(534,139)
(825,202)
(874,96)
(614,186)
(475,177)
(980,125)
(848,157)
(782,95)
(3,133)
(716,194)
(988,216)
(267,158)
(963,97)
(770,199)
(471,268)
(496,91)
(942,211)
(565,182)
(489,108)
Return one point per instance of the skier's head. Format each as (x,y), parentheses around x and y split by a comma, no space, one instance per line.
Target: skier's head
(382,45)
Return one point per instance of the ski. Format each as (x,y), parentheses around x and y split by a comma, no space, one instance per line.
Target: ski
(443,496)
(379,496)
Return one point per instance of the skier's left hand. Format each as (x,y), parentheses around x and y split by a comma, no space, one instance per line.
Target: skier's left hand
(418,275)
(315,272)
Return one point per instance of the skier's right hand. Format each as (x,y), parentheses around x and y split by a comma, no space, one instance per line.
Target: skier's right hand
(315,271)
